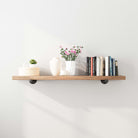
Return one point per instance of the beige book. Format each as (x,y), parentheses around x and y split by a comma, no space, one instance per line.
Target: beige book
(97,66)
(101,66)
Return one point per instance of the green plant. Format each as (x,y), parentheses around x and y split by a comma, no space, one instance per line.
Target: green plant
(32,61)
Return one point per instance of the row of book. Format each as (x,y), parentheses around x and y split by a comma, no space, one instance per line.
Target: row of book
(102,66)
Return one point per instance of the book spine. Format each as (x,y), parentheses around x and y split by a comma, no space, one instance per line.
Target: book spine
(113,67)
(116,68)
(110,66)
(94,66)
(101,66)
(91,66)
(87,68)
(97,66)
(106,66)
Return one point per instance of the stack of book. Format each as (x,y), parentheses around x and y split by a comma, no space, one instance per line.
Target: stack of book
(102,66)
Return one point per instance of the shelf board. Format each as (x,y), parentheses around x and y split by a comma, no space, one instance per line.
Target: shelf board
(68,77)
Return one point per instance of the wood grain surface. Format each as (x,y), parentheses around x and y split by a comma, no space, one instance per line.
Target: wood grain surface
(69,77)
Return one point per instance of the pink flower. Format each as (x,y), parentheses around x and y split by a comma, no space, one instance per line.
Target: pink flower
(66,53)
(72,51)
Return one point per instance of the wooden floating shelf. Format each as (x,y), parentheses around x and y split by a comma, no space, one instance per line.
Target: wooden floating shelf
(68,77)
(104,79)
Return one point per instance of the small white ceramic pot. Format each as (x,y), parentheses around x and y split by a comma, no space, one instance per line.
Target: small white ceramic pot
(32,65)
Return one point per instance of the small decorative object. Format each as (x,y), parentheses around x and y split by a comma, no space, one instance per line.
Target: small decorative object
(55,66)
(70,56)
(32,63)
(29,69)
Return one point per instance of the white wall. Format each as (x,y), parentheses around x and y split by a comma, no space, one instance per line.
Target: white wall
(68,109)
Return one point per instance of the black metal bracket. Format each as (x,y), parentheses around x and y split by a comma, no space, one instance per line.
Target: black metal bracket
(33,81)
(104,81)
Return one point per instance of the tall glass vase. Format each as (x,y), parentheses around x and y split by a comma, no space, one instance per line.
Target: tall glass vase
(70,67)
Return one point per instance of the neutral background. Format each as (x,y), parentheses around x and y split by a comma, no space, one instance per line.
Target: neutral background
(68,109)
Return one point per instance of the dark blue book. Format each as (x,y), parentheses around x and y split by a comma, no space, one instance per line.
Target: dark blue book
(111,68)
(112,65)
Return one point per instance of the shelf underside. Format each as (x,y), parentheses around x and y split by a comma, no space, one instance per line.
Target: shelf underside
(68,77)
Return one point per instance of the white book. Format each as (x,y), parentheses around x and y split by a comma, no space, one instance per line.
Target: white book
(97,66)
(106,66)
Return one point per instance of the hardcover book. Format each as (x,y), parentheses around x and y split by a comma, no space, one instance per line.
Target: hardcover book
(97,66)
(91,66)
(107,66)
(87,68)
(113,67)
(94,66)
(116,68)
(101,66)
(110,64)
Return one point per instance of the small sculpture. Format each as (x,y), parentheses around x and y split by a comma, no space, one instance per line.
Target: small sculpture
(55,66)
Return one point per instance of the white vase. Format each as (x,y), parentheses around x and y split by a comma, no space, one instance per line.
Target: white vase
(70,67)
(55,66)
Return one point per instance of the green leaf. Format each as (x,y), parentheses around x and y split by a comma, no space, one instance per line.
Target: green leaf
(32,61)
